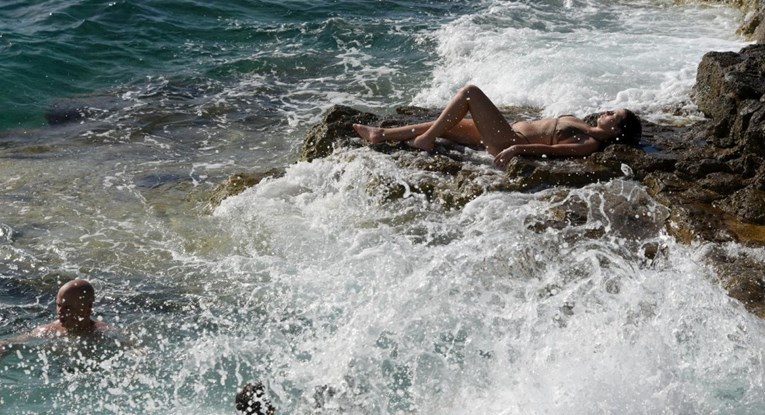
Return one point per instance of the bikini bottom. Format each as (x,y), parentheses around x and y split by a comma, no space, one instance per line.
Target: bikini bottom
(519,134)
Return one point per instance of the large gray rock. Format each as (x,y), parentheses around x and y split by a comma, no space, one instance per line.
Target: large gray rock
(728,156)
(729,87)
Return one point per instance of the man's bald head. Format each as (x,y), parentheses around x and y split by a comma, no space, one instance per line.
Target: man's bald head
(74,303)
(81,288)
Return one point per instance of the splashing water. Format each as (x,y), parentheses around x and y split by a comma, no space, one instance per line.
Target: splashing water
(338,298)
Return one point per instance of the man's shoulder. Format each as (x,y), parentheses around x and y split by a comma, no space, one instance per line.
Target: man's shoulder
(48,330)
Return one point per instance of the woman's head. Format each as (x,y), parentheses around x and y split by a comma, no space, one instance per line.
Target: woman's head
(624,123)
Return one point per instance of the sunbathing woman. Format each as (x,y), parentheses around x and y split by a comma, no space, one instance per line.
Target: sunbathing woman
(560,136)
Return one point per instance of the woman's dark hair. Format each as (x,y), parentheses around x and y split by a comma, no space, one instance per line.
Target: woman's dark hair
(631,130)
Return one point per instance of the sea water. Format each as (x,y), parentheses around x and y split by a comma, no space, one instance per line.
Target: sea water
(338,299)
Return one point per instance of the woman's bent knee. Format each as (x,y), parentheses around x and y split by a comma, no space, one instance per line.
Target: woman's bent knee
(469,88)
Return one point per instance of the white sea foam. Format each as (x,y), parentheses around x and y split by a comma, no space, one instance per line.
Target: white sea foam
(581,58)
(402,306)
(332,294)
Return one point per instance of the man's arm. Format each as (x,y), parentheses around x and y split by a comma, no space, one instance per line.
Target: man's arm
(7,345)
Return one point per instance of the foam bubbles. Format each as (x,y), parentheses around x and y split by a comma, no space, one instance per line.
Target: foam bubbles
(584,59)
(401,306)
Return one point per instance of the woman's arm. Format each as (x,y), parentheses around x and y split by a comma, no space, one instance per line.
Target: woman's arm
(585,147)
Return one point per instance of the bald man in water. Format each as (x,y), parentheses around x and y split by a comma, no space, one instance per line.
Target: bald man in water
(74,305)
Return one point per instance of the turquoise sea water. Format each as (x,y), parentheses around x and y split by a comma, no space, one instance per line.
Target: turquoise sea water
(339,300)
(54,49)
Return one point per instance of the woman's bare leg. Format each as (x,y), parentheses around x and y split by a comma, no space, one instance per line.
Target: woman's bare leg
(377,135)
(464,133)
(494,130)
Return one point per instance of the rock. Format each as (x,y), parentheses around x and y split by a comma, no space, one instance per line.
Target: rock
(160,179)
(720,171)
(754,20)
(335,129)
(728,90)
(56,115)
(747,204)
(536,174)
(454,181)
(631,216)
(439,178)
(720,185)
(709,176)
(702,172)
(753,26)
(742,277)
(712,94)
(237,184)
(68,110)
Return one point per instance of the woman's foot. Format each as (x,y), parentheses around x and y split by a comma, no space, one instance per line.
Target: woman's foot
(421,144)
(374,135)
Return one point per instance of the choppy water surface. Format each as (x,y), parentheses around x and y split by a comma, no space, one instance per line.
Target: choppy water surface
(339,300)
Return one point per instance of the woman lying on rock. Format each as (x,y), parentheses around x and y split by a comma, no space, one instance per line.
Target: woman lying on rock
(560,136)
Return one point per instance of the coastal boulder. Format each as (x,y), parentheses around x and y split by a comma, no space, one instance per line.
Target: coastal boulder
(237,184)
(728,90)
(450,175)
(335,129)
(720,163)
(716,192)
(728,161)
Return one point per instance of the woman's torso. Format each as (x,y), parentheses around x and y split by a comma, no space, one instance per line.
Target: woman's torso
(565,129)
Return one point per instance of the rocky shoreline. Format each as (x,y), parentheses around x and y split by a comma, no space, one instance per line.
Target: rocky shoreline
(753,26)
(710,175)
(715,165)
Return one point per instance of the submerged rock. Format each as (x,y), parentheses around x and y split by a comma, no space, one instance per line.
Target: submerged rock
(742,276)
(159,179)
(237,184)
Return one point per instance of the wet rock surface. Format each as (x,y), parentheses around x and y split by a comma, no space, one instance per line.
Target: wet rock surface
(710,175)
(237,184)
(753,26)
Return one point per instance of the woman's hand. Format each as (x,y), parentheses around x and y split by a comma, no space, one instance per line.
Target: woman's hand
(504,156)
(582,148)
